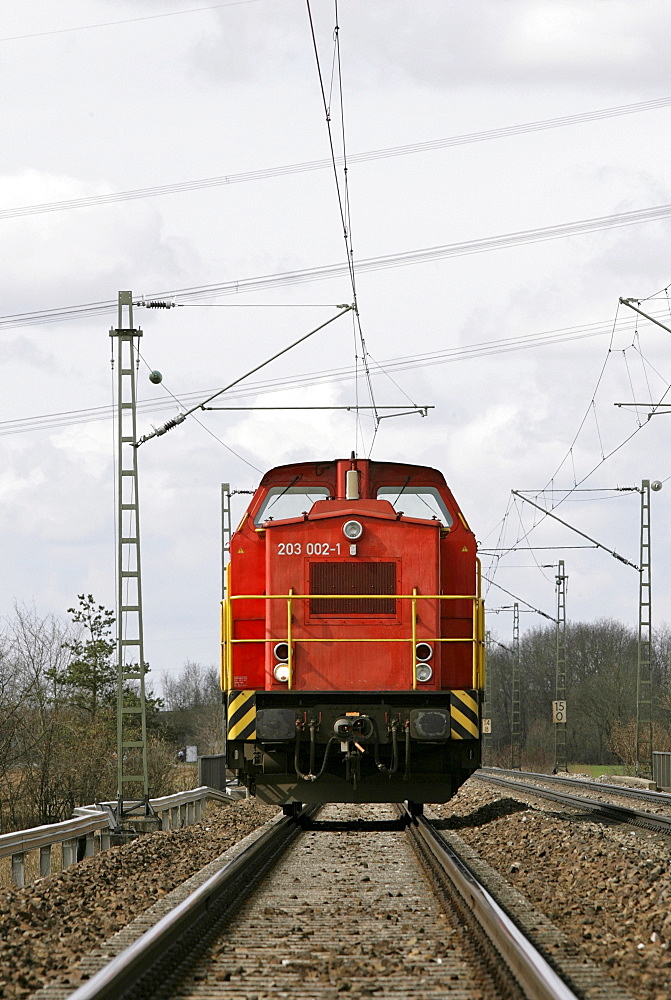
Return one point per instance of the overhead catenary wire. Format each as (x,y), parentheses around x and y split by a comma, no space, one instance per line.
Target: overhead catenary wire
(537,548)
(567,493)
(332,271)
(548,513)
(519,599)
(181,417)
(655,407)
(343,197)
(204,183)
(200,423)
(126,20)
(524,535)
(519,515)
(67,418)
(645,364)
(593,397)
(587,475)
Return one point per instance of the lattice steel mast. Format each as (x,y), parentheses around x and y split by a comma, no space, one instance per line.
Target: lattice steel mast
(515,716)
(131,710)
(561,759)
(644,648)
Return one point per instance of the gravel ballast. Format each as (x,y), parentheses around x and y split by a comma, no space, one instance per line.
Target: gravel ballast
(49,925)
(607,887)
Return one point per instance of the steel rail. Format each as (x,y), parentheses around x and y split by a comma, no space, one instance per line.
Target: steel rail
(211,901)
(622,814)
(627,791)
(532,972)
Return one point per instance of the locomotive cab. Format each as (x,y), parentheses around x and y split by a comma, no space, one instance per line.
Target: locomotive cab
(352,646)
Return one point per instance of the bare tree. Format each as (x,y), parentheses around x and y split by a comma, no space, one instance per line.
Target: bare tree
(32,649)
(193,698)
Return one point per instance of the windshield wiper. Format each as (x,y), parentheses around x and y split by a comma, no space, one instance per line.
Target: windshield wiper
(285,490)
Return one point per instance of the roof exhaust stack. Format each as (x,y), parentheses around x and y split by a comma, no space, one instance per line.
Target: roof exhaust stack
(351,484)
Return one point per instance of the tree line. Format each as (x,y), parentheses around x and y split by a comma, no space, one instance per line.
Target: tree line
(58,692)
(601,672)
(58,699)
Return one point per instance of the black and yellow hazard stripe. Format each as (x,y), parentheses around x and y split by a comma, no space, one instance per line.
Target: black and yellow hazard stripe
(464,722)
(242,715)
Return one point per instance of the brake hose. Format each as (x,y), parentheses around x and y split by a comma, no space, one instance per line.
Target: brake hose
(406,776)
(394,755)
(311,776)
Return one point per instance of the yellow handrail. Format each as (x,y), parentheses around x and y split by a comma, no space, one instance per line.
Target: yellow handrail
(290,657)
(479,628)
(228,618)
(330,639)
(476,638)
(355,597)
(223,661)
(413,638)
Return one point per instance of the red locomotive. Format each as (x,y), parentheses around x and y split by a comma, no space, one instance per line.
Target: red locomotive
(352,637)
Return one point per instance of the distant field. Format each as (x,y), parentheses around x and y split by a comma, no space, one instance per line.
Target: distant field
(596,769)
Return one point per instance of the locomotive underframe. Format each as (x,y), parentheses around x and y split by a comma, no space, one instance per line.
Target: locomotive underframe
(403,745)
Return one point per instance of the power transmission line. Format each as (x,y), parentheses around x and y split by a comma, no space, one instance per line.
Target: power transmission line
(126,20)
(66,418)
(223,180)
(330,271)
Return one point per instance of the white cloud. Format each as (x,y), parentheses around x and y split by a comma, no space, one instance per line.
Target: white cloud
(82,250)
(187,97)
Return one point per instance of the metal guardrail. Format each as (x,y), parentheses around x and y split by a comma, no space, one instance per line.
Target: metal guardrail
(191,795)
(68,833)
(174,812)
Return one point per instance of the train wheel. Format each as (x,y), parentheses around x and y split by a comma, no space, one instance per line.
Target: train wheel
(415,808)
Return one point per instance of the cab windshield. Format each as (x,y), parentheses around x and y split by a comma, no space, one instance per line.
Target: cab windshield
(288,501)
(417,501)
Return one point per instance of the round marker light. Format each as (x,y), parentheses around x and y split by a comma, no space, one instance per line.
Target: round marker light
(352,530)
(423,651)
(281,672)
(423,672)
(281,651)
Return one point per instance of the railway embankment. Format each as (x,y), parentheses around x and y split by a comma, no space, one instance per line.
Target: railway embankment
(50,925)
(605,886)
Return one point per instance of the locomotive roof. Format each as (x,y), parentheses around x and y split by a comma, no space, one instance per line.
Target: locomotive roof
(318,470)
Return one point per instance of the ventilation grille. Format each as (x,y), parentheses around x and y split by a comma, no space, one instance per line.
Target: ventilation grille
(352,578)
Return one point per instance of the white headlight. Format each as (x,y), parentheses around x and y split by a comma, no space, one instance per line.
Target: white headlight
(281,672)
(423,672)
(352,530)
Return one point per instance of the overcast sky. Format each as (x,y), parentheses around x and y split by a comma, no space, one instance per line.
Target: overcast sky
(101,97)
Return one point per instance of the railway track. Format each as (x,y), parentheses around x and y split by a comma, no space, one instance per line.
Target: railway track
(601,809)
(338,906)
(648,796)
